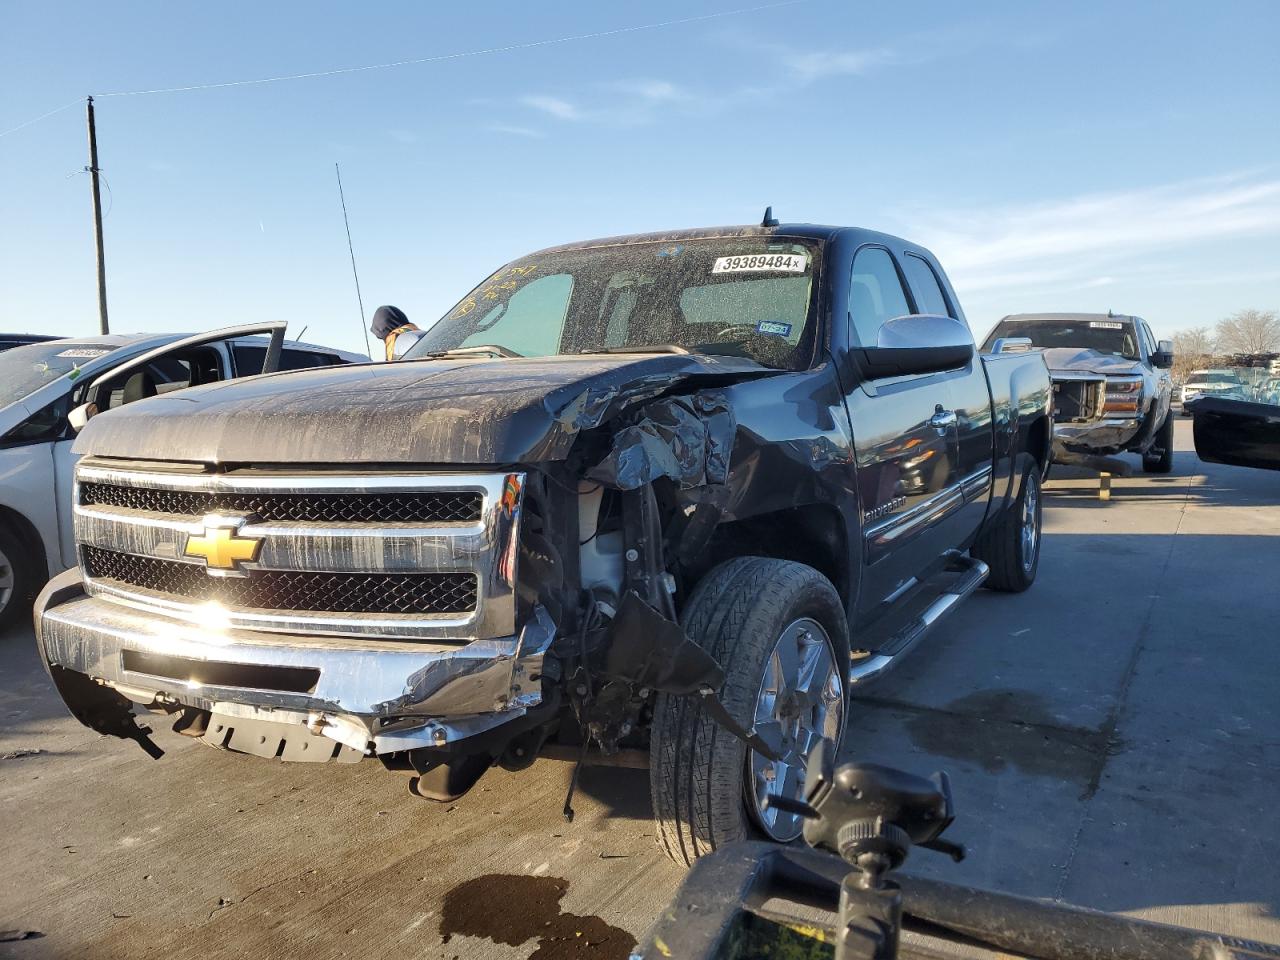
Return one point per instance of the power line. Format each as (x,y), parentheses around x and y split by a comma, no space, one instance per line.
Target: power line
(43,116)
(487,51)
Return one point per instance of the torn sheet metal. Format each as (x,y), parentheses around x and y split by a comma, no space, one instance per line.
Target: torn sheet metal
(688,439)
(648,650)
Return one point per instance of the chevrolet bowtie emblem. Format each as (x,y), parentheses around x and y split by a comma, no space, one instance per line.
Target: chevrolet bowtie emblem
(221,547)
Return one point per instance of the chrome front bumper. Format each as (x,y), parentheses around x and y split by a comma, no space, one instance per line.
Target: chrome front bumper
(374,696)
(1108,435)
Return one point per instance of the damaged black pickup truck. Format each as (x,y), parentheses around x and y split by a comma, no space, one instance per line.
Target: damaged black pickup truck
(664,498)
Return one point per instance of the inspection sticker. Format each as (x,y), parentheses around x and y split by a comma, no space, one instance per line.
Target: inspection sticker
(83,353)
(778,262)
(1106,325)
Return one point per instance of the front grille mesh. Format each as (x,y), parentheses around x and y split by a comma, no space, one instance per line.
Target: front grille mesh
(287,590)
(427,506)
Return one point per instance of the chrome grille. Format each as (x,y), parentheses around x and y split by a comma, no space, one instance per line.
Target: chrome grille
(428,506)
(420,593)
(400,556)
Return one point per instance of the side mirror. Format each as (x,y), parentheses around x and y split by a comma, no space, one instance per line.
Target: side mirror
(1163,357)
(916,344)
(1236,432)
(81,415)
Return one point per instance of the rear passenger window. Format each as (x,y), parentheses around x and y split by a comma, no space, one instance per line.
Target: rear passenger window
(875,294)
(924,284)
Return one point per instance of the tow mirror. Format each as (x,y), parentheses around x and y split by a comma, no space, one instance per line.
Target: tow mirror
(81,415)
(1163,357)
(1236,432)
(918,343)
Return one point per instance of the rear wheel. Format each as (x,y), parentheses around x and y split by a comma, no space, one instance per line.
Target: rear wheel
(1011,547)
(1159,459)
(778,630)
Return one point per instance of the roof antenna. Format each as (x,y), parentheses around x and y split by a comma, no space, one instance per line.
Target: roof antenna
(769,219)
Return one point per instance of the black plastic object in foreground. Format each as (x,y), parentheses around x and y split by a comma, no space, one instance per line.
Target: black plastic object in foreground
(746,899)
(1236,432)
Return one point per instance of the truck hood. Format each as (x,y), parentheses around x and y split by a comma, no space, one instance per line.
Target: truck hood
(1080,360)
(447,411)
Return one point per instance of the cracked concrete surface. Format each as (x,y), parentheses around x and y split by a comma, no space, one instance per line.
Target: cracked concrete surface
(1111,736)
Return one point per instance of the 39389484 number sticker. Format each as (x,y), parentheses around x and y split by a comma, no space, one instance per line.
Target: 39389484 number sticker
(760,262)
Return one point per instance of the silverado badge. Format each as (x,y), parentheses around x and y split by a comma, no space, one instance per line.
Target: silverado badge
(221,547)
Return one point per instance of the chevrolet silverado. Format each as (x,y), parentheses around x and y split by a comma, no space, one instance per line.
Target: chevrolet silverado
(663,499)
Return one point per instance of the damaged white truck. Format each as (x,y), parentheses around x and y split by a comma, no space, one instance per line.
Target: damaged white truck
(667,497)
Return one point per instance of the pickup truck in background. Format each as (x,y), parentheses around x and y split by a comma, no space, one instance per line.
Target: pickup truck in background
(1112,392)
(667,497)
(49,386)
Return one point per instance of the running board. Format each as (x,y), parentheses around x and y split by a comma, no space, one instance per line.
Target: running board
(896,645)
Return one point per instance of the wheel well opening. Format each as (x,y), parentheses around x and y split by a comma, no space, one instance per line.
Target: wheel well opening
(26,534)
(813,535)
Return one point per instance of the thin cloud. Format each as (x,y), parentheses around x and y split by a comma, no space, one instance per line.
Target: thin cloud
(1011,246)
(653,91)
(515,131)
(808,66)
(554,106)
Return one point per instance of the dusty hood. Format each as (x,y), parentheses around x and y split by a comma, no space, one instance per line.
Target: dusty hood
(472,411)
(1079,360)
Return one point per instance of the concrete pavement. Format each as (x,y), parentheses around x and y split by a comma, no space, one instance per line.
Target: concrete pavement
(1111,735)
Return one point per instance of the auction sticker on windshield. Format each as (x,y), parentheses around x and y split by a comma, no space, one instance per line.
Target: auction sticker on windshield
(1106,325)
(83,353)
(781,262)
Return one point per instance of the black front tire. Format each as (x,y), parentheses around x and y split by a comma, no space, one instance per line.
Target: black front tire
(697,770)
(1159,459)
(1011,547)
(18,581)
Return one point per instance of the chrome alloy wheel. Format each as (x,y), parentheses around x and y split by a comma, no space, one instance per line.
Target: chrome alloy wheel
(8,580)
(801,701)
(1030,521)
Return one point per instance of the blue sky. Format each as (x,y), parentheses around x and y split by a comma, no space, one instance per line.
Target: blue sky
(1078,156)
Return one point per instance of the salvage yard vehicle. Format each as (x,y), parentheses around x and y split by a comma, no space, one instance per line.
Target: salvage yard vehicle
(47,389)
(670,496)
(1112,391)
(1214,383)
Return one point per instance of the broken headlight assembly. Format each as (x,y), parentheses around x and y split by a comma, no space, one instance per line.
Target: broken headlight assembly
(1124,396)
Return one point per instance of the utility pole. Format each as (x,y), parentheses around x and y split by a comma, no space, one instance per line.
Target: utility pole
(97,220)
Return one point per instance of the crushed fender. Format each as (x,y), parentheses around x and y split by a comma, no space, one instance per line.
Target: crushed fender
(687,439)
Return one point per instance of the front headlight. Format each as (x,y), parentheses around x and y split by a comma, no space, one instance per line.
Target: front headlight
(1124,395)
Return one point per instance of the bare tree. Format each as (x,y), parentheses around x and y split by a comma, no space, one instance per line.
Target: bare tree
(1249,331)
(1196,342)
(1192,350)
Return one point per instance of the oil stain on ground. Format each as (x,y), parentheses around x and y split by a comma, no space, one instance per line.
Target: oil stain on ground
(513,909)
(997,729)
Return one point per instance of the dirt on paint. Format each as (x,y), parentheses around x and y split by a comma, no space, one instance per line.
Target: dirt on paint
(513,909)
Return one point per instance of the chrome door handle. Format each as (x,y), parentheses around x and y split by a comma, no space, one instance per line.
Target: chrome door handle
(943,418)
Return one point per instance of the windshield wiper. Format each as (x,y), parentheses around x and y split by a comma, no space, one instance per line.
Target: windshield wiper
(484,350)
(644,348)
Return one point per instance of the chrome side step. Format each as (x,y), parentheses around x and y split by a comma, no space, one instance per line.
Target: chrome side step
(890,653)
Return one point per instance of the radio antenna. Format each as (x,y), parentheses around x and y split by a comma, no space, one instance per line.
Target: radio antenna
(352,250)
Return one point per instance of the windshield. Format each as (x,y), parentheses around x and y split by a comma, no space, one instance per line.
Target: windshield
(1114,337)
(1204,376)
(23,370)
(749,297)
